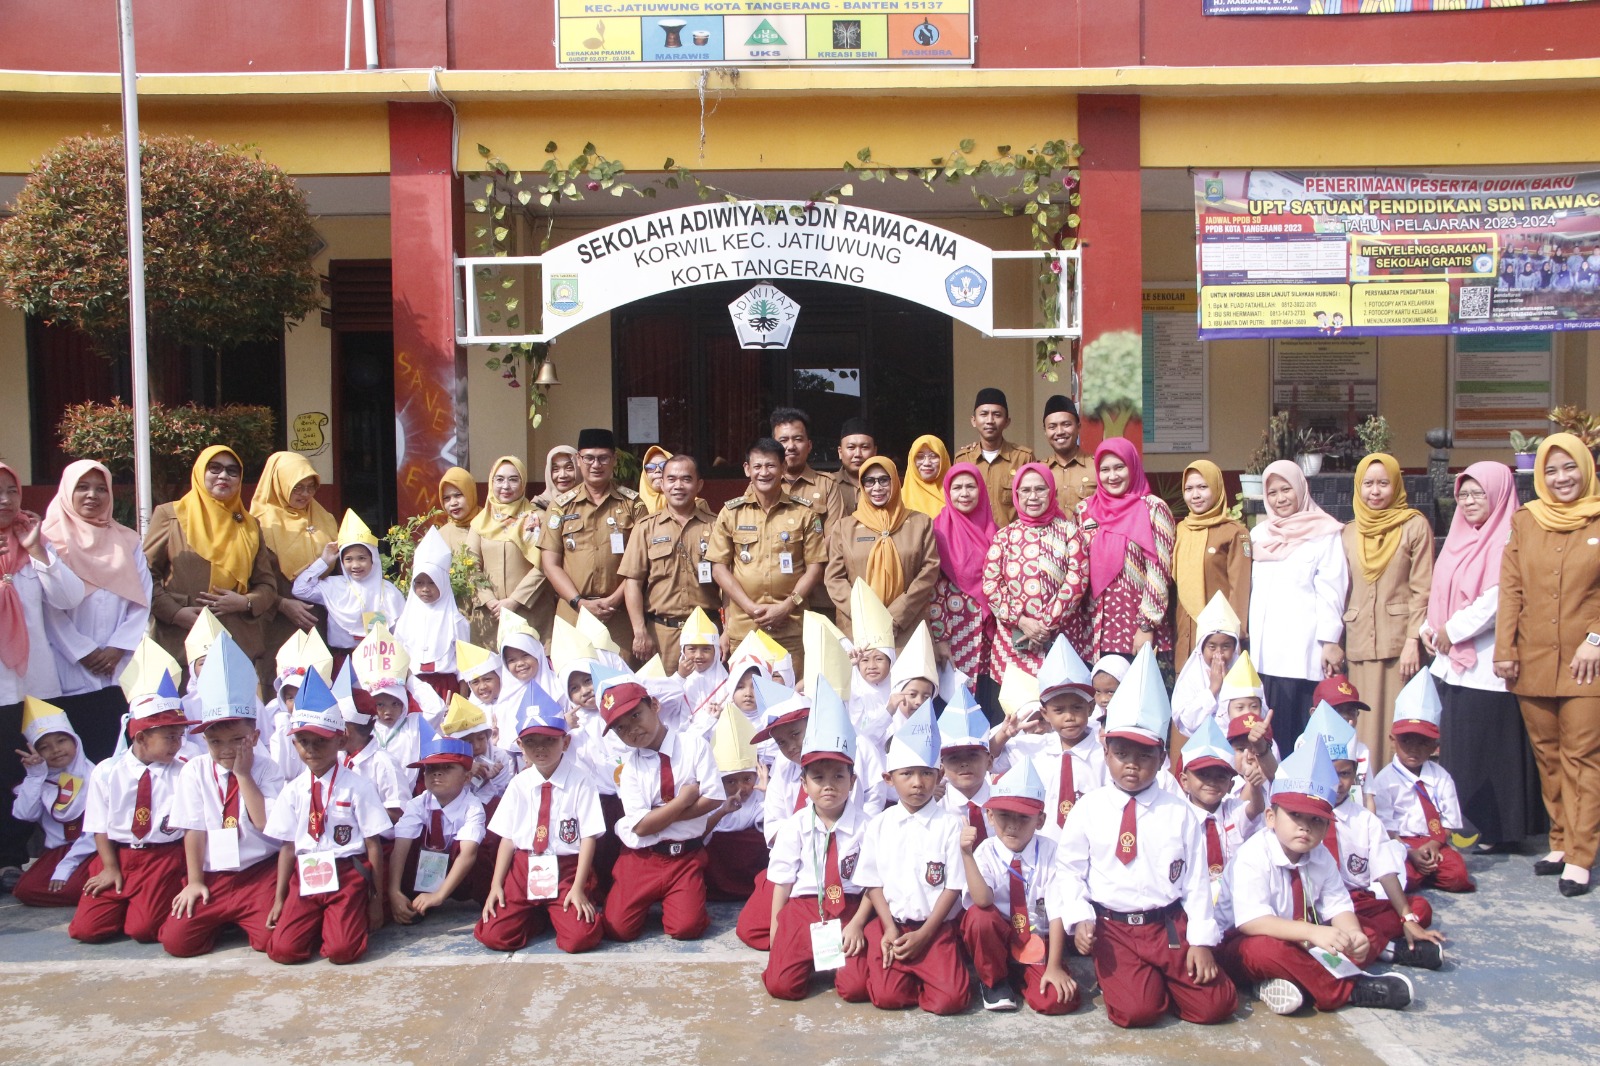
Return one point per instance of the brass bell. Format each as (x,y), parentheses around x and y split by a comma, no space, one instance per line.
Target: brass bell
(547,375)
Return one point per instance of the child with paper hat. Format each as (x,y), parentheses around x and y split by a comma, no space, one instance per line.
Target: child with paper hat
(1106,674)
(1416,797)
(699,662)
(549,823)
(439,834)
(1067,757)
(357,596)
(965,760)
(523,653)
(736,847)
(332,821)
(1295,933)
(1367,859)
(430,623)
(913,679)
(299,655)
(1004,925)
(1346,701)
(221,802)
(1207,777)
(872,652)
(491,768)
(54,792)
(383,671)
(201,634)
(1130,882)
(139,863)
(361,753)
(1216,646)
(814,858)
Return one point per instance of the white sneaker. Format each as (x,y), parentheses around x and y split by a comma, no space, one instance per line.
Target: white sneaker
(997,997)
(1280,996)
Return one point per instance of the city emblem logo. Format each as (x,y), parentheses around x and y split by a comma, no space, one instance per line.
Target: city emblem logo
(569,830)
(564,294)
(1175,871)
(847,867)
(966,287)
(341,835)
(764,317)
(935,874)
(1357,864)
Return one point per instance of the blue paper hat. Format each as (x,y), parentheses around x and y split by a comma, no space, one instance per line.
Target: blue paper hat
(1335,732)
(316,710)
(227,686)
(778,705)
(1140,708)
(1307,781)
(829,734)
(1417,708)
(344,695)
(436,748)
(538,714)
(604,677)
(1063,669)
(1208,747)
(1019,789)
(917,741)
(962,725)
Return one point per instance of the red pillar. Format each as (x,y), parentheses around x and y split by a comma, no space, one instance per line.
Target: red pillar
(1112,237)
(429,368)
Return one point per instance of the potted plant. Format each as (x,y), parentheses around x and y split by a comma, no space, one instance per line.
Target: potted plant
(1525,449)
(1374,435)
(1570,418)
(1276,442)
(1310,446)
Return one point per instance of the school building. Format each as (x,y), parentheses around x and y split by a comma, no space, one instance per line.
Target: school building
(769,99)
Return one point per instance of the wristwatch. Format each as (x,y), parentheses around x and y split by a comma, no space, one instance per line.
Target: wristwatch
(800,601)
(1594,639)
(573,603)
(1409,917)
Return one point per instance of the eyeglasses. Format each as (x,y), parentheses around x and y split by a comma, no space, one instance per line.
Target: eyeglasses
(596,460)
(654,468)
(877,482)
(1469,496)
(1035,490)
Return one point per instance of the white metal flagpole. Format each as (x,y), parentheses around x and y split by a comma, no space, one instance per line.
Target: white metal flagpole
(136,318)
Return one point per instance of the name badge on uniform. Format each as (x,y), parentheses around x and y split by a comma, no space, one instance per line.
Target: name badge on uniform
(319,872)
(432,866)
(544,877)
(703,571)
(786,562)
(1030,952)
(616,544)
(827,944)
(372,618)
(222,848)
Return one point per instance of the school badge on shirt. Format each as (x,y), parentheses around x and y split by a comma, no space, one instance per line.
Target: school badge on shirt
(1357,865)
(341,835)
(569,830)
(847,867)
(935,874)
(1175,871)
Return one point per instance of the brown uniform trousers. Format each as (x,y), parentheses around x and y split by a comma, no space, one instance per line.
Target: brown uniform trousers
(1378,619)
(664,556)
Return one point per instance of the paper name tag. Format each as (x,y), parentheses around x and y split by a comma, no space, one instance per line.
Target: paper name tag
(616,544)
(827,944)
(319,873)
(432,866)
(544,877)
(786,562)
(1334,962)
(1030,952)
(703,571)
(222,849)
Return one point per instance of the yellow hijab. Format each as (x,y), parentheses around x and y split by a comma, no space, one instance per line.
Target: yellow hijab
(1189,556)
(221,533)
(462,481)
(649,495)
(503,521)
(884,572)
(295,537)
(1552,515)
(1378,532)
(920,495)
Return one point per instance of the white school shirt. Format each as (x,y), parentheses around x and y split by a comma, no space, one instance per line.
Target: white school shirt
(1366,853)
(113,791)
(101,620)
(463,818)
(640,787)
(340,595)
(403,743)
(600,752)
(354,812)
(1038,863)
(35,802)
(495,785)
(379,767)
(39,584)
(574,809)
(954,802)
(1256,884)
(913,856)
(198,805)
(1234,826)
(1472,625)
(1088,773)
(1400,810)
(800,851)
(1168,867)
(747,816)
(784,787)
(1295,603)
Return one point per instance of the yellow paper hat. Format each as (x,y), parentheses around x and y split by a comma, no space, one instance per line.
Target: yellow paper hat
(653,668)
(463,719)
(1019,692)
(699,629)
(596,632)
(567,645)
(825,655)
(381,662)
(1241,680)
(514,625)
(758,645)
(352,530)
(201,635)
(870,624)
(1218,617)
(730,744)
(142,675)
(916,659)
(473,662)
(40,718)
(314,655)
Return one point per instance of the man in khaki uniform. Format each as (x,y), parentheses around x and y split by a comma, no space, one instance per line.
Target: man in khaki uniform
(1072,467)
(791,428)
(586,534)
(767,551)
(997,457)
(856,446)
(666,569)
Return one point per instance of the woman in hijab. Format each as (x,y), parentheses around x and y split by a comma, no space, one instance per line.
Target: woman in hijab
(1298,581)
(650,471)
(295,529)
(1212,555)
(560,474)
(1389,551)
(95,640)
(1035,575)
(1483,743)
(205,550)
(886,544)
(926,467)
(1547,648)
(458,499)
(505,537)
(958,616)
(1130,533)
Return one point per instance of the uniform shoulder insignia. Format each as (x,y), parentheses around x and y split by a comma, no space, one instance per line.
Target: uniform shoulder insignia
(564,499)
(735,503)
(802,501)
(625,492)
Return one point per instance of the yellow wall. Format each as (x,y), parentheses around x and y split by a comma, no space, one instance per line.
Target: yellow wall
(16,443)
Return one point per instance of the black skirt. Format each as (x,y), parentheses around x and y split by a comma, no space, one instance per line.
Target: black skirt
(1290,700)
(1483,743)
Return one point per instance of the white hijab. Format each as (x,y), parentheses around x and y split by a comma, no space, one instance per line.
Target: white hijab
(429,631)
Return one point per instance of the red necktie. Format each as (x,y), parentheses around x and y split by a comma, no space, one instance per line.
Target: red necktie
(1215,859)
(1019,902)
(1128,838)
(141,808)
(668,789)
(541,834)
(1298,893)
(1069,795)
(1331,841)
(315,823)
(1429,811)
(435,841)
(975,819)
(799,795)
(230,803)
(833,884)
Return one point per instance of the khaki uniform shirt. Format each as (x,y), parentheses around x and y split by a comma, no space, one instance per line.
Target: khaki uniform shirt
(749,541)
(1549,602)
(1381,616)
(578,533)
(664,555)
(997,474)
(849,492)
(821,493)
(849,546)
(1227,570)
(1075,480)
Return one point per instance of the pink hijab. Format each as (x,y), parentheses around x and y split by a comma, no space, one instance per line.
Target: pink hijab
(103,554)
(964,539)
(1281,536)
(1469,562)
(1052,512)
(13,620)
(1120,518)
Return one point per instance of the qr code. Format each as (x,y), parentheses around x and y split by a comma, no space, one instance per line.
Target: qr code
(1476,301)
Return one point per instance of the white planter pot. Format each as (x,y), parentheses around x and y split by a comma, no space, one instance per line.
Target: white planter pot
(1310,464)
(1250,486)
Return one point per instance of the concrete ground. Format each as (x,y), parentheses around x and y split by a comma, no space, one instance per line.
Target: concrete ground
(1521,984)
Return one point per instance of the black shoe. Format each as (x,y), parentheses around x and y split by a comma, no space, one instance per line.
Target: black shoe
(1392,991)
(9,878)
(1424,954)
(1571,888)
(997,997)
(1548,867)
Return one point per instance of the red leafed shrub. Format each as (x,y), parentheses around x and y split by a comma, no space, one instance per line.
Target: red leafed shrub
(177,437)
